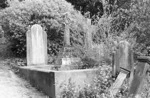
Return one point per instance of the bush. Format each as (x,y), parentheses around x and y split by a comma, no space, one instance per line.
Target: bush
(51,14)
(97,89)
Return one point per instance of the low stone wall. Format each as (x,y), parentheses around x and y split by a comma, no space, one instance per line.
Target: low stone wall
(51,82)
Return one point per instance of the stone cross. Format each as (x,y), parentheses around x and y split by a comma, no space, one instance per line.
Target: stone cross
(36,46)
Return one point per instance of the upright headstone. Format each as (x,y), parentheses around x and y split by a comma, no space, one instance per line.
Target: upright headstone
(36,46)
(123,64)
(125,55)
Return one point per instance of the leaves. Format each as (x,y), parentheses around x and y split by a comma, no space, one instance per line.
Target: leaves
(51,14)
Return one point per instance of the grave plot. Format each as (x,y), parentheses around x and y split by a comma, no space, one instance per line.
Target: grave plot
(50,81)
(42,75)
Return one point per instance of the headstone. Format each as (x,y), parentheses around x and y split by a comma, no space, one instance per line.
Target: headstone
(122,58)
(118,83)
(36,46)
(122,64)
(125,56)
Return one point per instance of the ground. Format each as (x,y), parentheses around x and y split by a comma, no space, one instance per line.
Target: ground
(12,86)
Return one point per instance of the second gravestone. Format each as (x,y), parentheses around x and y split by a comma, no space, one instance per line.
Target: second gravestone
(36,46)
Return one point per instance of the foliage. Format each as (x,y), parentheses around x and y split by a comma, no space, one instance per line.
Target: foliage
(51,14)
(3,4)
(133,24)
(130,24)
(97,89)
(95,7)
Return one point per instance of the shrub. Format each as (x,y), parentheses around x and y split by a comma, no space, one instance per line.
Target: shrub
(51,14)
(98,89)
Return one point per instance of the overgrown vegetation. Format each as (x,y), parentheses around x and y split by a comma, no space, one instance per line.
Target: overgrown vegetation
(51,14)
(97,89)
(112,23)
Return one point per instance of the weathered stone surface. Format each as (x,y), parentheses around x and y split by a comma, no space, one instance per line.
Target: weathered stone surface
(36,46)
(67,35)
(138,77)
(118,83)
(125,55)
(115,64)
(52,82)
(123,58)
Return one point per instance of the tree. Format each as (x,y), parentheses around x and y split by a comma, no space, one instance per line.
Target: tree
(3,4)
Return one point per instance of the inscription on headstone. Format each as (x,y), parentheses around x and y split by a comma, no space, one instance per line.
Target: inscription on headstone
(36,46)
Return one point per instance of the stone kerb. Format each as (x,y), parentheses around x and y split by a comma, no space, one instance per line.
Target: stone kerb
(36,46)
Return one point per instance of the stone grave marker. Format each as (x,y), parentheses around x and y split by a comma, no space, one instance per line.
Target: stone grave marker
(68,58)
(122,64)
(36,46)
(125,56)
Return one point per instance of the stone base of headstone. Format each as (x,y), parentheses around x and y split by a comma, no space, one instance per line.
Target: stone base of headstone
(69,63)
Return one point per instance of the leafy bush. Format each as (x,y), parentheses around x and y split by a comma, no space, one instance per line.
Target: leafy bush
(51,14)
(98,89)
(132,24)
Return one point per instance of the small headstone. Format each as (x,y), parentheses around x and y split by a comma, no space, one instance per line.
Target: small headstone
(36,46)
(123,57)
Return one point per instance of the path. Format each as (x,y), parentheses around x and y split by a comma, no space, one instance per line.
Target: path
(12,86)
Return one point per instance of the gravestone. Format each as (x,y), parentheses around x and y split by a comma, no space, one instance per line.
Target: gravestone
(36,46)
(122,64)
(125,56)
(68,60)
